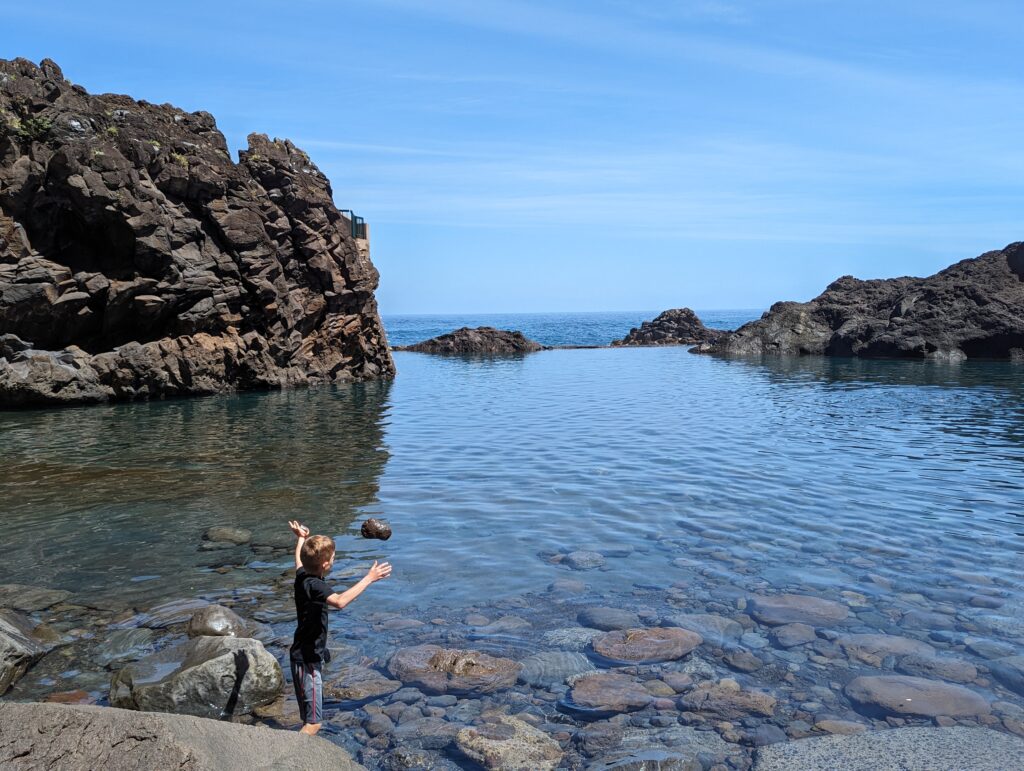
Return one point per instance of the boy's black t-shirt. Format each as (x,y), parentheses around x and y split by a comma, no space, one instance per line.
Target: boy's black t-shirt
(310,644)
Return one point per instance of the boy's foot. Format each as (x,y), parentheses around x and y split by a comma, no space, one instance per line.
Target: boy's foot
(310,729)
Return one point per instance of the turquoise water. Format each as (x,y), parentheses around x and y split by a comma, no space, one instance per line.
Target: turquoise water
(891,486)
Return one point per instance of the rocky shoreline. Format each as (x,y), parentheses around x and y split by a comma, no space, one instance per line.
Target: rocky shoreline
(696,675)
(138,261)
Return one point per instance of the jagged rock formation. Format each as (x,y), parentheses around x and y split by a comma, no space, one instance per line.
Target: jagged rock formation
(137,260)
(973,309)
(482,340)
(678,326)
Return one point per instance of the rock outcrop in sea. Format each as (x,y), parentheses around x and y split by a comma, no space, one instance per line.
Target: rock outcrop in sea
(481,340)
(973,309)
(678,326)
(138,261)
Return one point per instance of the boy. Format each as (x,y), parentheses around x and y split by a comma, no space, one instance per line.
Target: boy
(314,557)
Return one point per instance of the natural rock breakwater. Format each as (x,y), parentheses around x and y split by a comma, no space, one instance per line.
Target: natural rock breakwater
(138,261)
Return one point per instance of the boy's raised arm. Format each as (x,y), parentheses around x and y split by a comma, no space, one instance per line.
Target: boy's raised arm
(376,573)
(301,533)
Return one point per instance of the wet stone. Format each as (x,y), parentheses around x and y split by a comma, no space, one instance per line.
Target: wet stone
(607,693)
(18,648)
(544,670)
(427,733)
(124,645)
(941,667)
(1009,671)
(753,641)
(644,760)
(899,696)
(792,635)
(715,630)
(223,534)
(728,701)
(216,621)
(871,649)
(584,560)
(509,743)
(30,599)
(646,645)
(841,727)
(358,683)
(448,670)
(920,619)
(743,661)
(780,609)
(608,619)
(567,586)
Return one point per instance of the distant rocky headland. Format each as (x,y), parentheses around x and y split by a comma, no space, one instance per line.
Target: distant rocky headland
(679,326)
(478,341)
(973,309)
(137,260)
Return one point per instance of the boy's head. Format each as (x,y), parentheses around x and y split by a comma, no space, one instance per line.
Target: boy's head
(317,554)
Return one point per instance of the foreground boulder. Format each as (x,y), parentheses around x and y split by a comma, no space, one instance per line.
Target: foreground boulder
(439,670)
(138,261)
(973,309)
(679,326)
(18,648)
(906,749)
(54,736)
(482,340)
(207,676)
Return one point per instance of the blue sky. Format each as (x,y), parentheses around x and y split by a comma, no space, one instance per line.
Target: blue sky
(602,155)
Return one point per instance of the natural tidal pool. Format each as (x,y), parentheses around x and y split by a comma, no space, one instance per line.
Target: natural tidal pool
(534,500)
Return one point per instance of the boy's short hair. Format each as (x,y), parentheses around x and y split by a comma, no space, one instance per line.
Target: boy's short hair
(317,550)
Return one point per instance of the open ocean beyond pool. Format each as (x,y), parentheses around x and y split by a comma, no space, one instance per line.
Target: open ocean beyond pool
(894,488)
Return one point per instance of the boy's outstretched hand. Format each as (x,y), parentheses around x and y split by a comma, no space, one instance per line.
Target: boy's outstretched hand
(301,531)
(378,571)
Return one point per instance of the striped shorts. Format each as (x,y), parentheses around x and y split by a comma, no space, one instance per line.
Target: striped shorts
(309,691)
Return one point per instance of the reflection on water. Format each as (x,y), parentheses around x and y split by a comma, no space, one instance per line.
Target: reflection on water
(100,496)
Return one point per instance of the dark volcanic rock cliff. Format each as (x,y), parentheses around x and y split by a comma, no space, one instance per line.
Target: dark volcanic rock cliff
(973,309)
(678,326)
(481,340)
(137,260)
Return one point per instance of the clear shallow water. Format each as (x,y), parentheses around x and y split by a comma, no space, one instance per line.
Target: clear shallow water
(554,329)
(893,487)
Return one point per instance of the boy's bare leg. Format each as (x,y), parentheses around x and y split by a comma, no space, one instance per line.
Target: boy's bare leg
(310,729)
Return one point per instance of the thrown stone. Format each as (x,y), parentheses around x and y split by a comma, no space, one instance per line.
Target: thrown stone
(508,743)
(216,621)
(375,528)
(447,670)
(646,646)
(780,609)
(899,696)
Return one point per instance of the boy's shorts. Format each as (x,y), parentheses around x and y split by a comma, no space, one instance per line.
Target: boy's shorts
(309,691)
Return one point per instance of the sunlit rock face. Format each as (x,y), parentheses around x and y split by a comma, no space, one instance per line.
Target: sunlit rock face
(137,260)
